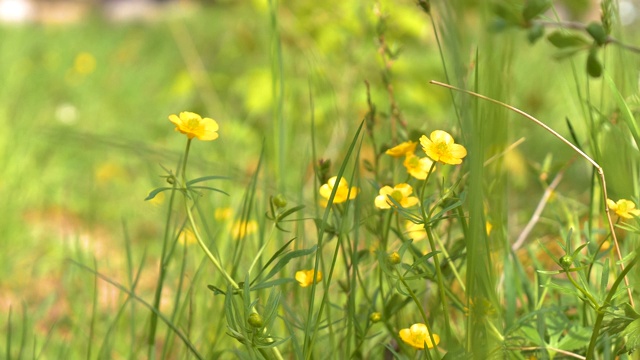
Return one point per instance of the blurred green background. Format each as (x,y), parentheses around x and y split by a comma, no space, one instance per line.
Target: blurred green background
(84,107)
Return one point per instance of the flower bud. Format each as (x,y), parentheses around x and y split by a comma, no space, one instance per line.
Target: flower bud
(255,320)
(280,201)
(566,261)
(394,258)
(375,317)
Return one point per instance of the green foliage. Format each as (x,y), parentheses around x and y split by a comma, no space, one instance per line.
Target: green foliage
(326,88)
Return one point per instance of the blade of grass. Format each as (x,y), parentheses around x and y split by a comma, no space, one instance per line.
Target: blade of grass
(159,315)
(603,184)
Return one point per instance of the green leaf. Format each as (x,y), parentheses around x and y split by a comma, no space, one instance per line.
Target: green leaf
(576,338)
(626,113)
(594,68)
(598,33)
(205,178)
(508,13)
(534,33)
(288,257)
(562,40)
(533,8)
(632,334)
(272,283)
(155,192)
(280,251)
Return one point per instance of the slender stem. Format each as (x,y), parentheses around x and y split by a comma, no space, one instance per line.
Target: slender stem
(418,304)
(592,300)
(269,353)
(603,183)
(264,246)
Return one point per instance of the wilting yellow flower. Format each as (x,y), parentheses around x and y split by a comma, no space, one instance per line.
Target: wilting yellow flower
(624,208)
(343,193)
(416,166)
(400,193)
(415,231)
(306,277)
(240,229)
(440,146)
(407,147)
(187,237)
(417,335)
(193,125)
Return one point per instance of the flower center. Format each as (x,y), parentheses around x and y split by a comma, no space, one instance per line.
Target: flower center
(397,195)
(193,123)
(442,148)
(413,162)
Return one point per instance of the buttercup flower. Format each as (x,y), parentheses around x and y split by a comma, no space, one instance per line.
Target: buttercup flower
(241,229)
(193,125)
(624,208)
(187,237)
(417,335)
(306,277)
(343,193)
(415,231)
(416,166)
(440,146)
(400,193)
(405,148)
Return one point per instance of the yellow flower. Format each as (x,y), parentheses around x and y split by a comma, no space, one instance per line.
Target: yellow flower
(193,125)
(440,146)
(84,63)
(187,237)
(417,167)
(343,193)
(306,278)
(415,231)
(400,193)
(624,208)
(224,213)
(241,229)
(407,147)
(417,335)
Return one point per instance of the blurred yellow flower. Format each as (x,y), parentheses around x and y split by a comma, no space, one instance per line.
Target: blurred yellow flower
(158,199)
(405,148)
(241,229)
(417,335)
(222,213)
(193,125)
(400,193)
(306,277)
(624,208)
(343,193)
(440,146)
(187,237)
(416,166)
(415,231)
(84,63)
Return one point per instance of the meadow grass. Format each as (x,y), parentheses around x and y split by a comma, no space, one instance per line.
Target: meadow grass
(296,233)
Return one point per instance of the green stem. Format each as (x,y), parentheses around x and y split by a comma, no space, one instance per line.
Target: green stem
(415,300)
(269,353)
(599,319)
(592,300)
(264,246)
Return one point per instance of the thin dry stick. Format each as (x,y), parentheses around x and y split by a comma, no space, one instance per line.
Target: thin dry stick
(603,184)
(536,214)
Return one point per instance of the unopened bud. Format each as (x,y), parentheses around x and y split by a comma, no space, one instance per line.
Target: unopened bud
(255,320)
(394,258)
